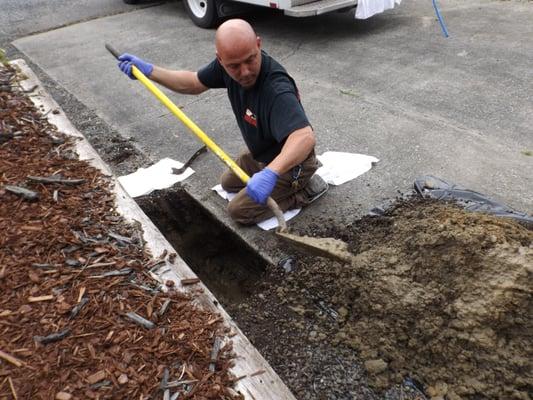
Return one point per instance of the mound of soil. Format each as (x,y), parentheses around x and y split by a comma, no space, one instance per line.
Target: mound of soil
(435,293)
(437,304)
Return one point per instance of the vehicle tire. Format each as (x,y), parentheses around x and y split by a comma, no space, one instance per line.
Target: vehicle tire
(202,12)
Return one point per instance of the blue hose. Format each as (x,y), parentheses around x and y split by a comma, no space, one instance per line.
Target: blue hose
(441,21)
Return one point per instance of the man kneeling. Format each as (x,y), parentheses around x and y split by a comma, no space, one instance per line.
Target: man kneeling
(280,158)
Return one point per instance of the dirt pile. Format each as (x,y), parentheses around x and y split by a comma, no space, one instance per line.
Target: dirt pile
(438,294)
(437,305)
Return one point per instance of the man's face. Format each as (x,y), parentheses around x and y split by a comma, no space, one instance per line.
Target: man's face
(242,63)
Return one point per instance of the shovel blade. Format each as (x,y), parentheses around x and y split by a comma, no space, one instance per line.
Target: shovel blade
(331,248)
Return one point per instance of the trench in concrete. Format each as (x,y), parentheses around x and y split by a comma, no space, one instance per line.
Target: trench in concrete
(236,275)
(226,264)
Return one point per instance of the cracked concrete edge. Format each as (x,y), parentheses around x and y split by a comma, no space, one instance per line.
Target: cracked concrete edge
(262,243)
(253,385)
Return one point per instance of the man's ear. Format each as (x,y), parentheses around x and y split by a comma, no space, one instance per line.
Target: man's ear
(218,58)
(258,39)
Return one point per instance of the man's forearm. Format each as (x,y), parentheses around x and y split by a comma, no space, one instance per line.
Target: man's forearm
(185,82)
(296,149)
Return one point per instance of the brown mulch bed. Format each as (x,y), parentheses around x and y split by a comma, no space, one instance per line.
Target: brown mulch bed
(71,269)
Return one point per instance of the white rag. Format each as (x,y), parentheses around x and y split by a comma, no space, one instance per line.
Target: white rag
(337,168)
(155,177)
(366,8)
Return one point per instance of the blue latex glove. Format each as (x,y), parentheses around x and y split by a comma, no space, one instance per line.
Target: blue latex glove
(261,185)
(127,60)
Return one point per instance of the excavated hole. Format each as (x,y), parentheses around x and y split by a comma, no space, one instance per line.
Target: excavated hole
(225,263)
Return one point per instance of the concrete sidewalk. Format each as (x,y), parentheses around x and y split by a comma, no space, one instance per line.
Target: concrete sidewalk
(391,86)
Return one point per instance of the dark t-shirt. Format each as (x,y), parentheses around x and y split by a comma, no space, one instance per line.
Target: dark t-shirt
(266,113)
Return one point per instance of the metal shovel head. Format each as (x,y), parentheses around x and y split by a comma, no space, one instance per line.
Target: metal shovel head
(331,248)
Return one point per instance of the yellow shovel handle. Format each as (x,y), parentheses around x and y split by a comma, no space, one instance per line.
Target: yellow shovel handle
(190,124)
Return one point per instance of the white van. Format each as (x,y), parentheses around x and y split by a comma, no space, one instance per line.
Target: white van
(207,13)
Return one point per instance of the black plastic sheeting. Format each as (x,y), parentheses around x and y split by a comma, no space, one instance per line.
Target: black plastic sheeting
(436,188)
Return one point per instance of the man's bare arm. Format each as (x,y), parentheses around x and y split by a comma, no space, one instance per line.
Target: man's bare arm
(295,150)
(185,82)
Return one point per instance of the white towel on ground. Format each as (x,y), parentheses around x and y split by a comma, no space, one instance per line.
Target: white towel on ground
(338,167)
(155,177)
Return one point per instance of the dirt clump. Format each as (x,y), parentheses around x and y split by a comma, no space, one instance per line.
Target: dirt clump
(437,294)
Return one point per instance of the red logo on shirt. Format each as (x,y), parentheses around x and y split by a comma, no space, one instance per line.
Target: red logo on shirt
(250,117)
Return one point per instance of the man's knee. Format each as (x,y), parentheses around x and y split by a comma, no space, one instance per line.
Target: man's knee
(226,181)
(240,214)
(231,182)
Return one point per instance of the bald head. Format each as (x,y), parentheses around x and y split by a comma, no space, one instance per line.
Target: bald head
(234,35)
(239,51)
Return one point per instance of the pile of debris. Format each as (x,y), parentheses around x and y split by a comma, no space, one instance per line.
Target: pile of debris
(80,314)
(436,295)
